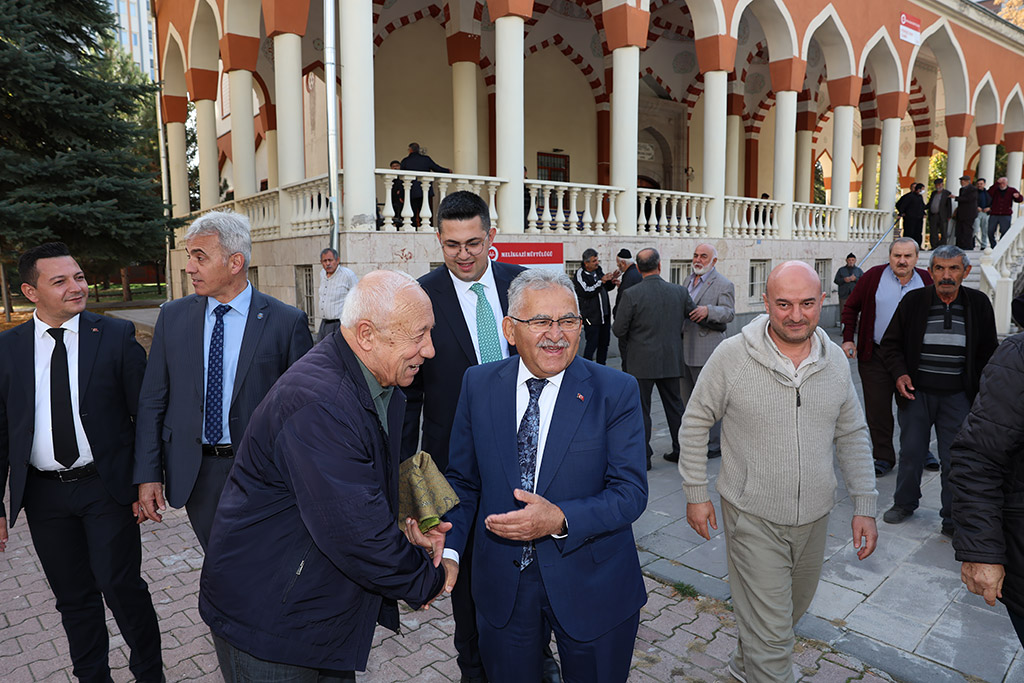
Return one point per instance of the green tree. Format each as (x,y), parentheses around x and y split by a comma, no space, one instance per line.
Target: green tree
(1012,11)
(77,156)
(937,169)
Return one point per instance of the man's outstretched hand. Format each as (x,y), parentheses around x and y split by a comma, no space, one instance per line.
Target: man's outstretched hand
(538,519)
(432,541)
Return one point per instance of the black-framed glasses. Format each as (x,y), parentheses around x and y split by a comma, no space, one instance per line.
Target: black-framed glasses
(568,323)
(472,247)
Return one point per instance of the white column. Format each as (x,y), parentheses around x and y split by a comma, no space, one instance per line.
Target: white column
(1014,168)
(785,151)
(291,161)
(243,133)
(921,169)
(713,171)
(869,177)
(733,154)
(842,149)
(206,140)
(625,122)
(987,164)
(357,121)
(802,184)
(509,121)
(955,163)
(887,174)
(464,76)
(178,168)
(273,179)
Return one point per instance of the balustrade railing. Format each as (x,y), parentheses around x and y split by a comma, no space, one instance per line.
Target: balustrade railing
(667,212)
(1001,267)
(869,224)
(310,208)
(814,221)
(570,207)
(263,213)
(752,218)
(403,184)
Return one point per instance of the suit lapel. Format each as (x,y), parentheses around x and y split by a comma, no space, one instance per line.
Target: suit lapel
(708,283)
(23,370)
(503,418)
(255,323)
(90,329)
(573,395)
(448,307)
(194,342)
(501,282)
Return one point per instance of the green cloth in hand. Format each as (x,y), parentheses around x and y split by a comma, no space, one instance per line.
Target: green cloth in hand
(423,492)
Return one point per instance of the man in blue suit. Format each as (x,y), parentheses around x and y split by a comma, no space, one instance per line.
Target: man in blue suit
(550,508)
(215,355)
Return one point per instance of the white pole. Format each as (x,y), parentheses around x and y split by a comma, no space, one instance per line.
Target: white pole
(331,77)
(955,163)
(869,177)
(357,119)
(987,164)
(509,121)
(887,174)
(178,167)
(464,119)
(733,150)
(625,123)
(785,158)
(804,166)
(291,158)
(842,149)
(243,133)
(713,173)
(206,140)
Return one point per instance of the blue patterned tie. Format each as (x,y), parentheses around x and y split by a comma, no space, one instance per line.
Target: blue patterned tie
(486,328)
(213,426)
(529,432)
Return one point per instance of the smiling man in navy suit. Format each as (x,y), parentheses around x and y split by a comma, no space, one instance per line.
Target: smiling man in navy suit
(550,508)
(215,355)
(69,390)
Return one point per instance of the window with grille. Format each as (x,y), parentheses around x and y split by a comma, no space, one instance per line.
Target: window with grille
(552,166)
(304,290)
(254,277)
(823,267)
(759,270)
(679,272)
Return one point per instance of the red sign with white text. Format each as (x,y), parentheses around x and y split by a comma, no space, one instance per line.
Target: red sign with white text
(532,254)
(910,28)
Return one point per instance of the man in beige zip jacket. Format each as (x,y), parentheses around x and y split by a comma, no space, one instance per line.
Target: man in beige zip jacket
(786,399)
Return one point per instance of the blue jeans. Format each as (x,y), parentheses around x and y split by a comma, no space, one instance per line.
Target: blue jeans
(239,666)
(946,412)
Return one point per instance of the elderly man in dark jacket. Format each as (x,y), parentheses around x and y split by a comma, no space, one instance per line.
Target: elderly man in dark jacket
(988,485)
(592,287)
(965,213)
(307,553)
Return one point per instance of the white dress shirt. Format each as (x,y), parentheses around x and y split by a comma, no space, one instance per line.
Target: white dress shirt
(546,404)
(468,299)
(42,457)
(234,330)
(333,291)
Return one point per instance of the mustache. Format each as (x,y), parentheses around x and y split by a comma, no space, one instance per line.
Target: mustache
(548,344)
(947,281)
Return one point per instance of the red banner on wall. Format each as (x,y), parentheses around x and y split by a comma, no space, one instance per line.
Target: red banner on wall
(532,254)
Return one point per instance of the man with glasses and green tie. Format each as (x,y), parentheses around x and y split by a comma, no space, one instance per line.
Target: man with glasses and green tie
(470,298)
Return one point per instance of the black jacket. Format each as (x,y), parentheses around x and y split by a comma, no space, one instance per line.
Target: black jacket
(911,205)
(900,349)
(593,296)
(631,277)
(987,474)
(421,162)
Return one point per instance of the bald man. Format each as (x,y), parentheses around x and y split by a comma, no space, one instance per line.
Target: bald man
(786,399)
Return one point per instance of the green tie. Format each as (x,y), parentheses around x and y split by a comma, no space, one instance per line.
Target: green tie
(486,328)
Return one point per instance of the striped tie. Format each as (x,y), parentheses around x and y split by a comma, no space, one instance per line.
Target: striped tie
(486,327)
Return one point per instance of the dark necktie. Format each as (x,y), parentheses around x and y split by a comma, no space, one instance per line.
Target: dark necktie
(529,433)
(62,421)
(213,426)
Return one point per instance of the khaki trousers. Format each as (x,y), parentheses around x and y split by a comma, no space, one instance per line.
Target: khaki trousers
(773,573)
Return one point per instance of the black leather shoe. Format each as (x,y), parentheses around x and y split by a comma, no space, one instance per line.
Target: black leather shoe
(896,515)
(671,457)
(551,674)
(649,465)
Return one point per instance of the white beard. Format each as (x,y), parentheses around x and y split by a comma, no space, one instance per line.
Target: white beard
(700,270)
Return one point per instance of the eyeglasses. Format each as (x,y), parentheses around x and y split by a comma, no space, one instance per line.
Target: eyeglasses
(472,247)
(569,323)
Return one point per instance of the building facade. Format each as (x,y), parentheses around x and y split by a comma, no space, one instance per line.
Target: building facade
(638,122)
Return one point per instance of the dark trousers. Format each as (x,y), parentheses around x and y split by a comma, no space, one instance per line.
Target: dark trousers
(690,375)
(965,234)
(202,504)
(879,388)
(671,399)
(512,653)
(327,329)
(937,229)
(464,612)
(1000,224)
(599,335)
(1018,624)
(946,412)
(913,228)
(238,666)
(91,551)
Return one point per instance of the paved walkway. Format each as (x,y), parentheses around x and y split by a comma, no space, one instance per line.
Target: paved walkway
(902,611)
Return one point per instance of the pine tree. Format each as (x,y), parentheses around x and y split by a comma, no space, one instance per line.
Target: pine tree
(75,164)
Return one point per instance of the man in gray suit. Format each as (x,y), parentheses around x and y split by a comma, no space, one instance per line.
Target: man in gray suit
(215,355)
(704,329)
(650,321)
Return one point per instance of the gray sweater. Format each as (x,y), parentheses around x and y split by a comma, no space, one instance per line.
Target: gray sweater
(780,428)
